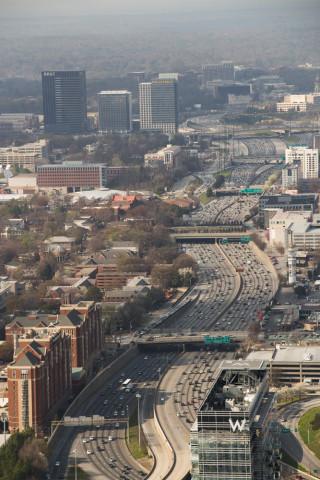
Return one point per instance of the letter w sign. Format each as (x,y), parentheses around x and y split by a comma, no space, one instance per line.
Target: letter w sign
(237,425)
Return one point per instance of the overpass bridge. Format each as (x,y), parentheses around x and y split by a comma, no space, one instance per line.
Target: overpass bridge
(188,236)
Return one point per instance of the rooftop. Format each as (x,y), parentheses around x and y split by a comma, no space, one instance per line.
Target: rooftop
(288,355)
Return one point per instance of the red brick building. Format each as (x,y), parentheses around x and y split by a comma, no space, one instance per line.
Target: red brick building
(39,379)
(72,176)
(82,322)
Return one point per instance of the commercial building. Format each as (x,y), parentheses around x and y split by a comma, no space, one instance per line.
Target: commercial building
(286,203)
(170,157)
(222,71)
(158,104)
(300,103)
(64,102)
(39,379)
(235,435)
(308,158)
(115,111)
(290,364)
(223,90)
(72,176)
(291,173)
(18,122)
(281,224)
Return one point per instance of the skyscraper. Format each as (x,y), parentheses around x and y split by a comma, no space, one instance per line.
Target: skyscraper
(158,105)
(64,102)
(235,436)
(115,111)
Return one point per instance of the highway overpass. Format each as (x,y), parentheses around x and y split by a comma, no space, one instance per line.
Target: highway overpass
(209,237)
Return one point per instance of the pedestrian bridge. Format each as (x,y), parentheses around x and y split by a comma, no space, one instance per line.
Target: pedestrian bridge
(207,236)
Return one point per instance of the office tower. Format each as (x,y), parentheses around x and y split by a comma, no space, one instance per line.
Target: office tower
(115,111)
(235,435)
(307,157)
(158,105)
(64,102)
(222,71)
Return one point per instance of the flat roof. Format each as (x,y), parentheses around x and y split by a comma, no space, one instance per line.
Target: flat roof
(288,355)
(254,364)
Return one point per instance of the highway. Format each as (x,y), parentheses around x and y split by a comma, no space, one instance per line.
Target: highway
(292,442)
(109,456)
(227,299)
(180,394)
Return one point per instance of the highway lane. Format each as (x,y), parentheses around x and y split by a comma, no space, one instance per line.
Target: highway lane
(292,442)
(110,457)
(180,394)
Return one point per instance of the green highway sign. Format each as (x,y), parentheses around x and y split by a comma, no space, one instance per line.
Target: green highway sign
(208,339)
(251,190)
(315,471)
(295,429)
(245,239)
(285,430)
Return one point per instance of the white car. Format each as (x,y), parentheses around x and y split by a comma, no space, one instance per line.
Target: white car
(57,464)
(89,452)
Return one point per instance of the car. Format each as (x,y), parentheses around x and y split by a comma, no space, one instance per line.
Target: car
(110,438)
(84,440)
(117,425)
(57,464)
(91,438)
(298,476)
(112,459)
(162,399)
(89,452)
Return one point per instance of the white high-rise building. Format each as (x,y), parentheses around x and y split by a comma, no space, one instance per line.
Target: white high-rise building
(158,106)
(307,157)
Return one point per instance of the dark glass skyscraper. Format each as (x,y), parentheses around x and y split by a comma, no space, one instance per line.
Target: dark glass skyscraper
(64,102)
(115,111)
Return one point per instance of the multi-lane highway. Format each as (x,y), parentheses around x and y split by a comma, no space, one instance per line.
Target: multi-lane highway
(102,450)
(233,284)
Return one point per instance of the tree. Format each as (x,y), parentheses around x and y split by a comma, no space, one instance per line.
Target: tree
(178,139)
(219,181)
(159,190)
(255,237)
(209,192)
(6,352)
(300,291)
(46,271)
(254,330)
(162,275)
(93,293)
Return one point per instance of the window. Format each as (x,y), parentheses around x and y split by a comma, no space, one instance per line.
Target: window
(13,374)
(24,374)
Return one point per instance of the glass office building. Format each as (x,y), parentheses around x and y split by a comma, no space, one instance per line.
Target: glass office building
(64,102)
(115,111)
(235,436)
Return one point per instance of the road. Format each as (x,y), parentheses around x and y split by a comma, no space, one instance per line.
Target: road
(292,442)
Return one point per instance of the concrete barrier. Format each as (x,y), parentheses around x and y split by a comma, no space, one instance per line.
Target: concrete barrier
(81,401)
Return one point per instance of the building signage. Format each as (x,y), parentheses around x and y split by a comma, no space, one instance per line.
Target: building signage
(237,425)
(208,339)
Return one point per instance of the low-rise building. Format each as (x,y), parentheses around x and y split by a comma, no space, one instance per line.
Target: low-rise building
(171,157)
(290,364)
(72,176)
(299,103)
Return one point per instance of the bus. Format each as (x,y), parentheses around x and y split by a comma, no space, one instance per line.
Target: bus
(127,385)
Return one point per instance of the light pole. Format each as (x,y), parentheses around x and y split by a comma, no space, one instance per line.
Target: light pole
(138,396)
(159,371)
(4,420)
(75,451)
(130,326)
(128,425)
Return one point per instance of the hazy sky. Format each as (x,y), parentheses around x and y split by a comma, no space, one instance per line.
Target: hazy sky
(40,8)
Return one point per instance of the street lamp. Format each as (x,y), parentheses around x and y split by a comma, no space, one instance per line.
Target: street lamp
(75,451)
(128,425)
(130,326)
(4,420)
(159,371)
(138,396)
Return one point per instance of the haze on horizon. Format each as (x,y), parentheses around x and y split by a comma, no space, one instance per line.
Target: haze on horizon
(47,8)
